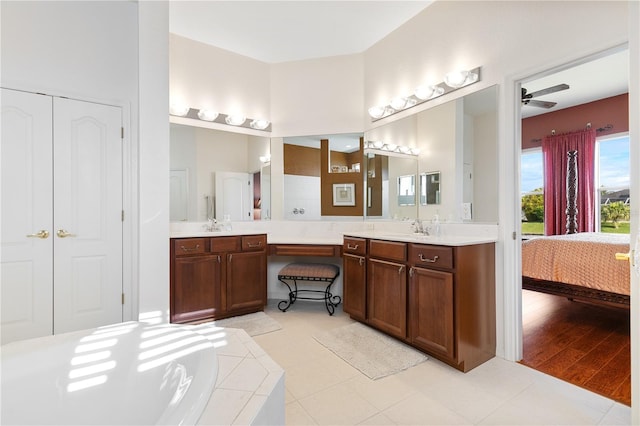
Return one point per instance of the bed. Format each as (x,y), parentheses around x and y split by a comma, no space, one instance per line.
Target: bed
(578,266)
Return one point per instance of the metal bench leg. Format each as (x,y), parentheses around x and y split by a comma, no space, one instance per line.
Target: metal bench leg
(283,305)
(331,301)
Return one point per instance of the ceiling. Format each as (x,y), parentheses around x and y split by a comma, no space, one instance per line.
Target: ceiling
(282,31)
(593,80)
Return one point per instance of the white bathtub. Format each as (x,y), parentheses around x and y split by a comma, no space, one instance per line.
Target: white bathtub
(129,373)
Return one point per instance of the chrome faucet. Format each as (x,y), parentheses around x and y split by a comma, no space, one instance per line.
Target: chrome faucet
(419,227)
(211,225)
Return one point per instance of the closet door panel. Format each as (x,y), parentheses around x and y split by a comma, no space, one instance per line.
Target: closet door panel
(87,215)
(27,224)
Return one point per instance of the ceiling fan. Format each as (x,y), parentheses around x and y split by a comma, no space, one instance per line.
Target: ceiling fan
(527,98)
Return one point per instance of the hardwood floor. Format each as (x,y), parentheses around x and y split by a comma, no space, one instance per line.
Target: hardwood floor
(583,344)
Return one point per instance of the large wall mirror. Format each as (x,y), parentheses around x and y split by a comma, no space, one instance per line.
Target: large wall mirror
(323,177)
(218,174)
(457,143)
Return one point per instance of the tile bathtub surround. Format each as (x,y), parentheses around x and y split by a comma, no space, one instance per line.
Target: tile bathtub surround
(250,385)
(323,389)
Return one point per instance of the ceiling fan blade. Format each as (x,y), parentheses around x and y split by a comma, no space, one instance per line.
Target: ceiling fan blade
(540,104)
(548,90)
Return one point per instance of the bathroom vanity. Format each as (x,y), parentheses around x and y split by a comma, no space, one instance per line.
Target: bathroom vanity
(435,294)
(215,277)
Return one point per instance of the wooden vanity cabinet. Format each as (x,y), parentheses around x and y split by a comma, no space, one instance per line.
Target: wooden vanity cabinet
(387,287)
(452,302)
(245,288)
(439,299)
(354,281)
(217,277)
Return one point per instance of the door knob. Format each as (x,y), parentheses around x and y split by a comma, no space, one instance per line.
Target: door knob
(64,234)
(43,233)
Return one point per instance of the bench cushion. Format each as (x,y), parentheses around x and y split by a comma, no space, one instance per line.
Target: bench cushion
(312,271)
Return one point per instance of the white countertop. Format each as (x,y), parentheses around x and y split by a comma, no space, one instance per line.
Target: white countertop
(445,240)
(332,232)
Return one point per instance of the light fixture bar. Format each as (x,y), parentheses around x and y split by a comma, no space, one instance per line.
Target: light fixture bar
(425,94)
(227,119)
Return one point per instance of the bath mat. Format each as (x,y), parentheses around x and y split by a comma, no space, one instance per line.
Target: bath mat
(373,353)
(254,324)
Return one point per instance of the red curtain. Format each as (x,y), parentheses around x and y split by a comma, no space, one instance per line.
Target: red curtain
(554,152)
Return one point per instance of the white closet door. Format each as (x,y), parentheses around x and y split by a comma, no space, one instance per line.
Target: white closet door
(87,215)
(27,216)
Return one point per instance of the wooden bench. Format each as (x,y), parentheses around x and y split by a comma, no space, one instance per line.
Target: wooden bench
(312,272)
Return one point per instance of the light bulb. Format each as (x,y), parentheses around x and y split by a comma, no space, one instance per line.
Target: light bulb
(377,111)
(457,79)
(235,120)
(259,124)
(207,115)
(399,103)
(179,110)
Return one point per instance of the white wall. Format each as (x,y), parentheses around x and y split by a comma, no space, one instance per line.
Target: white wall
(88,51)
(153,169)
(302,192)
(317,96)
(203,76)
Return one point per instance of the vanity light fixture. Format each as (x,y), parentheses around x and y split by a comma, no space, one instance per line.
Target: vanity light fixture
(259,124)
(179,110)
(386,148)
(207,115)
(216,118)
(458,79)
(265,159)
(235,120)
(452,81)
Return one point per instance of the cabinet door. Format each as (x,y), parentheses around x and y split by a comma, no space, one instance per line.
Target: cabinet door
(196,288)
(431,314)
(246,286)
(355,286)
(387,297)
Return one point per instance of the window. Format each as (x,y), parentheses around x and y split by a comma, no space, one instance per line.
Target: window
(531,186)
(612,183)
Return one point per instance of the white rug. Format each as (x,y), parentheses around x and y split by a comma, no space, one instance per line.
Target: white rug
(254,324)
(373,353)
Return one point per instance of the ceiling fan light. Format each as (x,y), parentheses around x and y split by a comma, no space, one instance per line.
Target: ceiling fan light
(207,115)
(235,120)
(457,79)
(259,124)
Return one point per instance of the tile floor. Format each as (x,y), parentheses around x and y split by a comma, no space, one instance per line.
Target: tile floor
(323,389)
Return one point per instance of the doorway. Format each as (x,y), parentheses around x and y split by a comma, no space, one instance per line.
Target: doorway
(537,308)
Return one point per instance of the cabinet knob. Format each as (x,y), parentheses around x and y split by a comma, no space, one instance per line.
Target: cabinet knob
(361,260)
(400,269)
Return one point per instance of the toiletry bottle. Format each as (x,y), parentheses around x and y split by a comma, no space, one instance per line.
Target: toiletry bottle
(436,225)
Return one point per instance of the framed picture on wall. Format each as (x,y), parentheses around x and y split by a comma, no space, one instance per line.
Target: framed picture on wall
(344,194)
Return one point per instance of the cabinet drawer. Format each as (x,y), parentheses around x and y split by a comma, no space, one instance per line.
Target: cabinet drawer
(354,245)
(254,242)
(388,250)
(224,244)
(189,246)
(431,256)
